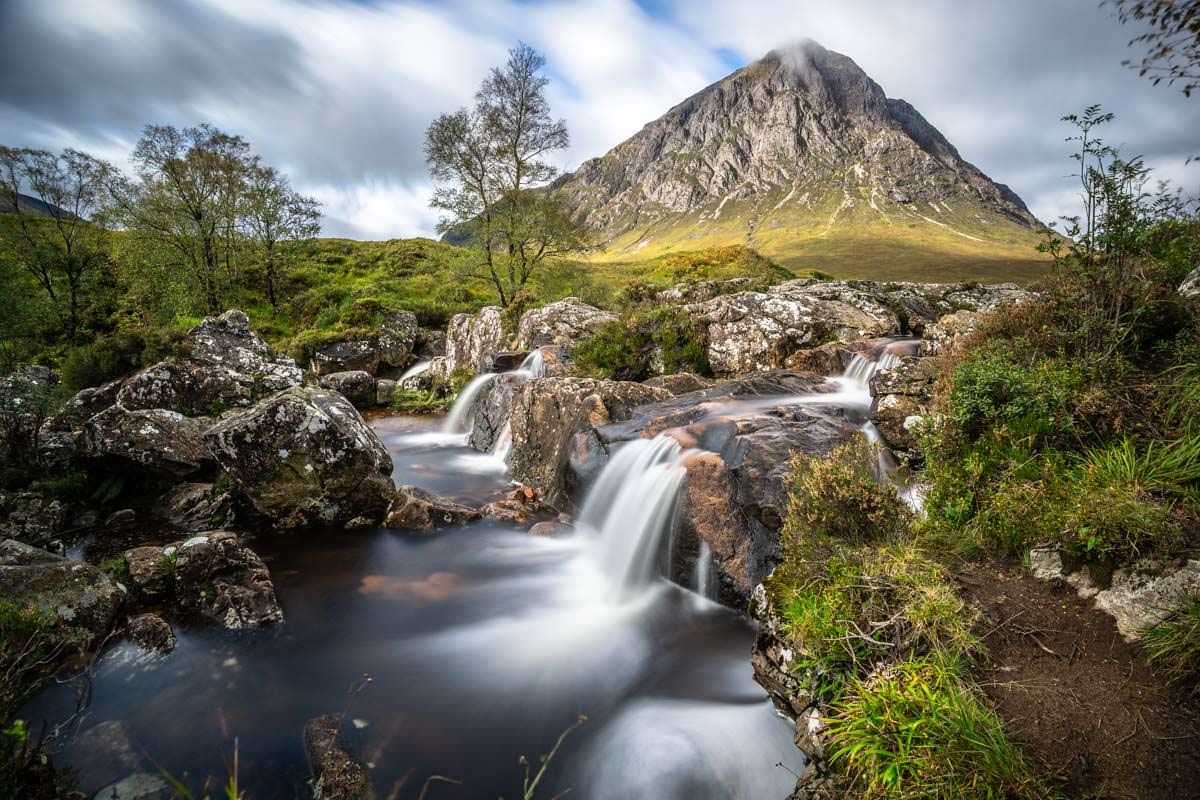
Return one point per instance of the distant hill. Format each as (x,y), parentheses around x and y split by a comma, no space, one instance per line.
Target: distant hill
(29,205)
(804,158)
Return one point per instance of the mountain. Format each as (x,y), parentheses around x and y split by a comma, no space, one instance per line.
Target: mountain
(803,157)
(29,205)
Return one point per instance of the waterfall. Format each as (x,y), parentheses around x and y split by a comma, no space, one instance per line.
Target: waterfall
(462,414)
(861,369)
(415,369)
(630,508)
(702,575)
(534,365)
(503,445)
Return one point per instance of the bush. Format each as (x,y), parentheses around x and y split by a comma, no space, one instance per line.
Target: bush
(916,729)
(644,343)
(117,355)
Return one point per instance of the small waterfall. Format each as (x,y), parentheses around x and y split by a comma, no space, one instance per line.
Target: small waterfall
(630,508)
(534,365)
(415,369)
(503,445)
(462,414)
(703,582)
(861,369)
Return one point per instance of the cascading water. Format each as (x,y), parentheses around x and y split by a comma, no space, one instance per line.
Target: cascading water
(415,369)
(462,414)
(534,366)
(629,510)
(703,580)
(503,445)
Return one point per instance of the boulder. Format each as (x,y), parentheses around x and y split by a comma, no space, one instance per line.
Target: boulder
(941,336)
(564,322)
(415,509)
(82,599)
(227,341)
(430,343)
(86,404)
(336,775)
(521,506)
(1147,592)
(30,518)
(550,528)
(902,396)
(193,506)
(827,359)
(305,457)
(471,338)
(397,339)
(699,291)
(384,389)
(503,360)
(137,786)
(547,414)
(189,387)
(679,383)
(157,441)
(151,632)
(1191,284)
(349,356)
(356,386)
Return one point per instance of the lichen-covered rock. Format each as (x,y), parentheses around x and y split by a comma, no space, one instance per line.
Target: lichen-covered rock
(86,404)
(384,389)
(397,338)
(336,775)
(305,457)
(82,600)
(30,518)
(416,509)
(151,632)
(941,336)
(547,413)
(157,441)
(679,383)
(430,343)
(188,387)
(349,356)
(1191,284)
(1145,593)
(827,359)
(902,395)
(228,341)
(471,338)
(193,506)
(356,386)
(564,322)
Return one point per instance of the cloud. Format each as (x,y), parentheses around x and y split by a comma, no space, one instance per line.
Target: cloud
(339,93)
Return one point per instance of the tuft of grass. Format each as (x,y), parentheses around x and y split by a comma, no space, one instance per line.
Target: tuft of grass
(1171,467)
(1174,645)
(916,729)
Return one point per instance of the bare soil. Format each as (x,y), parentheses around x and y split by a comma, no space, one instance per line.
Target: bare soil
(1085,703)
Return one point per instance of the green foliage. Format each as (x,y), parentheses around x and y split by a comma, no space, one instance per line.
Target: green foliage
(916,729)
(643,343)
(118,354)
(838,496)
(437,395)
(1174,645)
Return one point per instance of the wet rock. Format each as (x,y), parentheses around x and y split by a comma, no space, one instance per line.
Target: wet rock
(470,339)
(360,355)
(305,457)
(521,506)
(336,775)
(831,358)
(151,573)
(415,509)
(356,386)
(492,410)
(546,416)
(228,341)
(773,660)
(30,518)
(902,396)
(384,389)
(151,632)
(1147,592)
(219,577)
(503,360)
(198,507)
(397,338)
(156,441)
(103,754)
(679,383)
(550,528)
(1191,284)
(564,322)
(82,599)
(138,786)
(120,518)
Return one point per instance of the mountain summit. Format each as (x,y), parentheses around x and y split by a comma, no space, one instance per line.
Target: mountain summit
(802,156)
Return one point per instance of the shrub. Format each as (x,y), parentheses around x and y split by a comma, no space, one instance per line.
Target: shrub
(915,729)
(119,354)
(643,343)
(617,350)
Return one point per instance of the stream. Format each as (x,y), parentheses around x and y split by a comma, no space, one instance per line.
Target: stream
(483,643)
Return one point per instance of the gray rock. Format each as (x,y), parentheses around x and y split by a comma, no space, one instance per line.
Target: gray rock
(189,387)
(1147,592)
(103,754)
(941,337)
(198,507)
(155,440)
(30,518)
(82,599)
(397,338)
(415,509)
(227,341)
(1191,284)
(564,322)
(86,404)
(356,386)
(471,338)
(305,457)
(430,343)
(336,775)
(355,355)
(384,389)
(138,786)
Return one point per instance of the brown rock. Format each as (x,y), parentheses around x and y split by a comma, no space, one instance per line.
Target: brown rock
(151,632)
(415,509)
(336,774)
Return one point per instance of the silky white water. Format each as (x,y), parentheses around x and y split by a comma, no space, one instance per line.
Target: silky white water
(415,369)
(462,413)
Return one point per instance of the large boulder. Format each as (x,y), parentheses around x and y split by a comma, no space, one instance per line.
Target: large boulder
(547,413)
(472,338)
(415,509)
(31,518)
(564,322)
(187,387)
(1147,592)
(735,496)
(157,441)
(356,386)
(397,338)
(348,356)
(81,599)
(86,404)
(940,337)
(306,457)
(227,341)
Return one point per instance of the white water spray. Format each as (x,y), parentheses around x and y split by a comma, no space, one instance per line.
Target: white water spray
(462,414)
(415,369)
(703,579)
(503,445)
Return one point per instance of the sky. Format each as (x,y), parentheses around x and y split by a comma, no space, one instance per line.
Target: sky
(338,93)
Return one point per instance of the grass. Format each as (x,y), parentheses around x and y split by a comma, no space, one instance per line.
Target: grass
(1174,645)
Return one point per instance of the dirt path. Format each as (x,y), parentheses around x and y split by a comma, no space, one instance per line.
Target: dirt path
(1083,701)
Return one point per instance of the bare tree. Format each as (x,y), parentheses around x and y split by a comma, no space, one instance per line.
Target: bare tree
(185,196)
(56,243)
(491,161)
(276,218)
